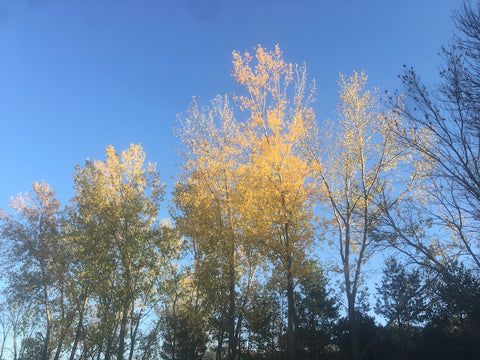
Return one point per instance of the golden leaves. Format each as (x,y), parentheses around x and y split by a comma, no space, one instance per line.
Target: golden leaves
(249,182)
(266,83)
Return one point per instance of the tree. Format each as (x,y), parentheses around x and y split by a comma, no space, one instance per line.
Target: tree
(208,200)
(184,320)
(355,165)
(34,269)
(124,249)
(265,325)
(447,118)
(367,337)
(32,348)
(443,128)
(317,312)
(278,193)
(452,327)
(401,300)
(402,303)
(7,326)
(184,317)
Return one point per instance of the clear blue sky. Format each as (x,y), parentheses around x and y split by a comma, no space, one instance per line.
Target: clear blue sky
(79,75)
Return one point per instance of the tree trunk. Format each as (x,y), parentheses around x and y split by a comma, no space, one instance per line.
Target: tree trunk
(218,355)
(133,338)
(79,328)
(15,341)
(111,338)
(63,335)
(352,320)
(151,339)
(126,310)
(231,311)
(46,346)
(291,310)
(123,333)
(291,333)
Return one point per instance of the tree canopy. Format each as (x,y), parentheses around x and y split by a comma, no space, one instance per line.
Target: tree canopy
(277,221)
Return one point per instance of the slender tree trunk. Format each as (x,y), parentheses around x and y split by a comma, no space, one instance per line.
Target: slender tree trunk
(133,338)
(121,340)
(231,311)
(291,311)
(242,311)
(352,320)
(15,341)
(126,310)
(175,321)
(107,355)
(3,345)
(151,339)
(79,328)
(75,341)
(109,349)
(63,335)
(218,355)
(291,334)
(46,346)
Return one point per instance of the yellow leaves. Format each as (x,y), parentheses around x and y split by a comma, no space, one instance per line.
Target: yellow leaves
(122,186)
(266,82)
(267,73)
(366,148)
(250,180)
(40,200)
(277,193)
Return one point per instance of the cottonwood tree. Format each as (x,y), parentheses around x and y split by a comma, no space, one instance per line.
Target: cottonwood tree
(208,201)
(245,190)
(356,163)
(34,268)
(124,248)
(278,194)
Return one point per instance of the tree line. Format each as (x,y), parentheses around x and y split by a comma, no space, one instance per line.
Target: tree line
(239,272)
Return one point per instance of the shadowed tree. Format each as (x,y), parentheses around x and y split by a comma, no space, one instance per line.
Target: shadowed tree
(356,164)
(402,302)
(447,122)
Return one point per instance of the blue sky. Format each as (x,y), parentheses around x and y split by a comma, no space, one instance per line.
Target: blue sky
(79,75)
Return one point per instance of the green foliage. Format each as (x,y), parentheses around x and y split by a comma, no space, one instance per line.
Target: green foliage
(402,299)
(317,312)
(32,348)
(453,327)
(185,336)
(265,323)
(402,302)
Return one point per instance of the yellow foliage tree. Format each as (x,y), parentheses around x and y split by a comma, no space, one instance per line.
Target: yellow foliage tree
(208,199)
(278,193)
(245,189)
